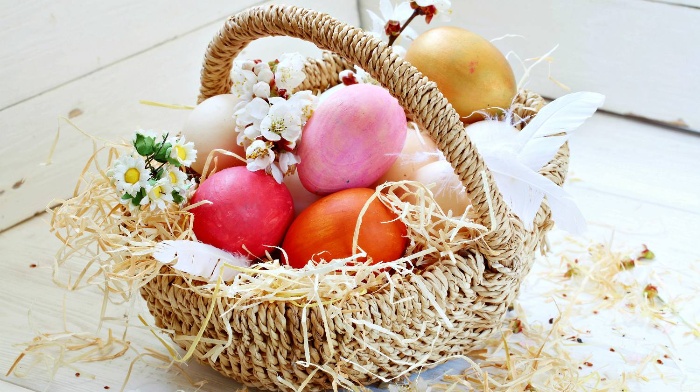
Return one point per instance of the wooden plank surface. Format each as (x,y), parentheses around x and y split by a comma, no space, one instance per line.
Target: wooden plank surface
(636,52)
(49,43)
(105,104)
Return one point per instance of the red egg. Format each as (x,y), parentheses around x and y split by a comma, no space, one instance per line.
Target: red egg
(249,211)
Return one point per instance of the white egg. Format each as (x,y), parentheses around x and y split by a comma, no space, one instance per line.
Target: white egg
(302,198)
(448,190)
(211,126)
(418,151)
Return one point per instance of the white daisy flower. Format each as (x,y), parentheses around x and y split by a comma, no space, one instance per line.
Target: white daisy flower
(290,71)
(129,174)
(259,155)
(182,151)
(159,194)
(281,122)
(176,177)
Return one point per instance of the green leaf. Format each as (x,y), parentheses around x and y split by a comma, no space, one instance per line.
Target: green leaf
(159,173)
(162,152)
(174,162)
(136,200)
(126,196)
(144,145)
(177,197)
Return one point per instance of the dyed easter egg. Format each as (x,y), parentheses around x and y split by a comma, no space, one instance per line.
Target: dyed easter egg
(211,126)
(448,191)
(469,70)
(302,198)
(352,138)
(248,210)
(326,228)
(418,151)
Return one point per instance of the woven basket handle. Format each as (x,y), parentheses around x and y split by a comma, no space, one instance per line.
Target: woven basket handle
(418,95)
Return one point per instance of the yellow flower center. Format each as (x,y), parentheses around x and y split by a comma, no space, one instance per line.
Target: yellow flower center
(173,178)
(157,192)
(132,176)
(181,152)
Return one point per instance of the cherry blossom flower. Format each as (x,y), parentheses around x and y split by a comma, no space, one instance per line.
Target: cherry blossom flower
(443,8)
(281,122)
(259,155)
(290,71)
(287,162)
(243,78)
(398,14)
(249,115)
(303,102)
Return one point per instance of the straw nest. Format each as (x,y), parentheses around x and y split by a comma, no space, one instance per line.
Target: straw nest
(338,323)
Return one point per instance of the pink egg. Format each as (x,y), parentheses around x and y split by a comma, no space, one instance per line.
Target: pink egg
(351,140)
(248,210)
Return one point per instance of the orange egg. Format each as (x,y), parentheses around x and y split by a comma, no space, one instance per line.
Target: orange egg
(326,228)
(471,72)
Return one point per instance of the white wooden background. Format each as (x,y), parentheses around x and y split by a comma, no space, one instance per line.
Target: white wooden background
(93,61)
(642,54)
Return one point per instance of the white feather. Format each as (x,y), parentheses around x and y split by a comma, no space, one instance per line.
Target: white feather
(515,158)
(525,189)
(199,259)
(562,115)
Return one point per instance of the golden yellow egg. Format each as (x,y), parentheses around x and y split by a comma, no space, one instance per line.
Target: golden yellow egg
(471,72)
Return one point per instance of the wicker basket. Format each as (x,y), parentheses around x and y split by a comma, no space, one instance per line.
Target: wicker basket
(267,339)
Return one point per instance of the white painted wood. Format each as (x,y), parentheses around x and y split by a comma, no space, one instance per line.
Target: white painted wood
(686,3)
(109,102)
(31,303)
(49,43)
(7,387)
(646,163)
(641,54)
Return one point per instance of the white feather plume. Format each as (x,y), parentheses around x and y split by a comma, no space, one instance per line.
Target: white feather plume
(515,158)
(199,259)
(562,115)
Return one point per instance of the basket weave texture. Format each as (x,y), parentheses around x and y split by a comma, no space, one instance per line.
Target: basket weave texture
(474,292)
